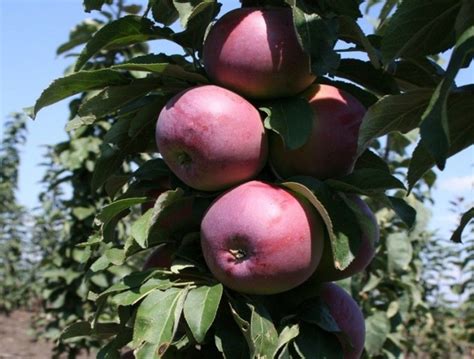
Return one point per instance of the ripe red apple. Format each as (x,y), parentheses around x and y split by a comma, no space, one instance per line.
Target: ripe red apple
(255,52)
(262,239)
(348,317)
(327,272)
(331,148)
(211,138)
(162,257)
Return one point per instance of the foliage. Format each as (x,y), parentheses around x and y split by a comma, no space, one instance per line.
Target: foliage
(111,165)
(15,254)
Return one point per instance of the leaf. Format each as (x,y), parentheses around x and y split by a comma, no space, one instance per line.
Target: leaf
(200,309)
(185,9)
(461,132)
(377,329)
(131,281)
(399,252)
(134,295)
(315,311)
(403,210)
(127,30)
(76,83)
(346,7)
(90,5)
(157,317)
(164,12)
(113,209)
(196,24)
(417,72)
(113,98)
(465,17)
(79,329)
(287,334)
(229,340)
(141,228)
(290,118)
(350,31)
(262,332)
(393,113)
(151,170)
(370,159)
(364,74)
(434,128)
(314,343)
(317,36)
(366,179)
(80,34)
(419,28)
(158,64)
(340,220)
(465,219)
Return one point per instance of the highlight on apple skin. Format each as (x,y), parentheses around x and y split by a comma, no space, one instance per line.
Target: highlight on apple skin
(211,138)
(255,52)
(327,272)
(331,150)
(262,239)
(348,316)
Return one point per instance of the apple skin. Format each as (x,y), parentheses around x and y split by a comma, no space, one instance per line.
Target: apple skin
(162,257)
(348,317)
(255,52)
(211,138)
(327,272)
(259,238)
(331,150)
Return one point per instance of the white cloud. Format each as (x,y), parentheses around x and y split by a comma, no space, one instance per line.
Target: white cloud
(456,184)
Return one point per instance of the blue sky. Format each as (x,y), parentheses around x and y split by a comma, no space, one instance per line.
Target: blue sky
(30,32)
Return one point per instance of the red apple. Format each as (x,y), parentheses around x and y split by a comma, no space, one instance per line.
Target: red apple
(331,148)
(327,272)
(162,257)
(255,52)
(348,317)
(262,239)
(211,138)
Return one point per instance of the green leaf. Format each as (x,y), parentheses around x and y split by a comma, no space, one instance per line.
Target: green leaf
(465,17)
(291,118)
(370,159)
(76,83)
(127,30)
(263,334)
(115,256)
(403,210)
(399,252)
(419,28)
(158,64)
(157,317)
(113,209)
(79,329)
(287,334)
(393,113)
(229,339)
(461,132)
(345,7)
(365,180)
(200,309)
(134,295)
(434,128)
(79,35)
(350,31)
(314,343)
(377,329)
(363,73)
(317,36)
(185,9)
(152,170)
(131,281)
(164,12)
(417,72)
(90,5)
(196,25)
(340,220)
(465,219)
(113,98)
(141,228)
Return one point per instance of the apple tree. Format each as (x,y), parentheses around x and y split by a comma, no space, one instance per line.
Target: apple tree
(130,199)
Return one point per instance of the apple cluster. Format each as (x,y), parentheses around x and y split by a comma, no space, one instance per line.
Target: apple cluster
(258,237)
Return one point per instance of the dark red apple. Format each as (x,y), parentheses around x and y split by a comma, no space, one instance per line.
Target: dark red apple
(262,239)
(331,150)
(348,317)
(211,138)
(255,52)
(162,257)
(327,272)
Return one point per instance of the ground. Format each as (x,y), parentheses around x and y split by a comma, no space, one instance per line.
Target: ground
(15,343)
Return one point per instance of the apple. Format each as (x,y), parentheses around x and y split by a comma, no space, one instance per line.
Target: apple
(255,52)
(211,138)
(348,317)
(327,272)
(161,257)
(259,238)
(331,150)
